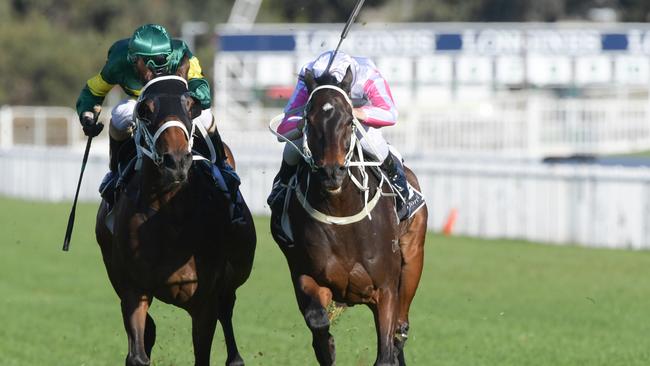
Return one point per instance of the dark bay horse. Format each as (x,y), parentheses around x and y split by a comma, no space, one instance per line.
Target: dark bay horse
(348,245)
(172,238)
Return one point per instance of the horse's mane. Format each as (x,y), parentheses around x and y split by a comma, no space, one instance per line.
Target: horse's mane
(326,79)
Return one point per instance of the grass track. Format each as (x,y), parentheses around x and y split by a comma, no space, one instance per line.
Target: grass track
(479,303)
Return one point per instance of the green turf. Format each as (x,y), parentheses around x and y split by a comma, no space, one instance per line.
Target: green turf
(479,303)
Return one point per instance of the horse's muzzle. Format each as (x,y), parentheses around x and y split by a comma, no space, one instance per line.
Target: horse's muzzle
(175,167)
(331,177)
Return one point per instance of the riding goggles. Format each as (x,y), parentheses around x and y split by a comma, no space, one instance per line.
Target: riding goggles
(156,61)
(152,61)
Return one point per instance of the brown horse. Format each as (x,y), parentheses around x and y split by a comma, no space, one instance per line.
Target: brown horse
(172,238)
(340,252)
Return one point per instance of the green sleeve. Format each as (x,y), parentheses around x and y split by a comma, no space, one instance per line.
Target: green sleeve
(199,87)
(87,100)
(99,85)
(116,65)
(200,90)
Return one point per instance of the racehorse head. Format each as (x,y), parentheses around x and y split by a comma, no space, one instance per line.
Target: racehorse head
(328,127)
(164,131)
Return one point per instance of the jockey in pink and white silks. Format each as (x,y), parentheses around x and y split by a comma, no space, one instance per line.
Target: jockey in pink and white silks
(374,107)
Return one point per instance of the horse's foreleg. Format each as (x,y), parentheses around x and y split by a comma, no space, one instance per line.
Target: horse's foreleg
(225,317)
(204,322)
(412,248)
(149,334)
(134,313)
(312,300)
(385,312)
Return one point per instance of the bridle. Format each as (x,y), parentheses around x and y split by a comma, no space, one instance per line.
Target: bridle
(142,133)
(360,164)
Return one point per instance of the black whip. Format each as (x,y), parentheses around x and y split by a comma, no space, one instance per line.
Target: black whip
(68,231)
(353,16)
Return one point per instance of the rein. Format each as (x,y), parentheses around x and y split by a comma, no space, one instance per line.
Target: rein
(361,164)
(149,148)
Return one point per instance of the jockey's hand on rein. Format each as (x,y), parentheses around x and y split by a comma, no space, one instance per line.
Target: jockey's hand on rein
(90,126)
(359,114)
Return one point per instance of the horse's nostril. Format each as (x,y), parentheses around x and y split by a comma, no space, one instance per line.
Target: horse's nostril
(169,161)
(176,161)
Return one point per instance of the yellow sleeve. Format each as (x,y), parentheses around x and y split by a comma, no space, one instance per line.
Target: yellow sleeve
(99,87)
(195,71)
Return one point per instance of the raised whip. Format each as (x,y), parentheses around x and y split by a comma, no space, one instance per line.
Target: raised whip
(344,34)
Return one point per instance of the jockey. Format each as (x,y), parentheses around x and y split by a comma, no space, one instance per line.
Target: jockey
(162,56)
(373,107)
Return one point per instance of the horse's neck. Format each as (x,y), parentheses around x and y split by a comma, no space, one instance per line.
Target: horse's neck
(349,201)
(148,199)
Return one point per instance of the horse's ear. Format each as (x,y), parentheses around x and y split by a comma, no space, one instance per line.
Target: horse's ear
(310,80)
(183,67)
(144,110)
(346,83)
(192,106)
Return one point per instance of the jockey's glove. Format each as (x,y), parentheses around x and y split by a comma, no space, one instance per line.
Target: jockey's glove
(90,125)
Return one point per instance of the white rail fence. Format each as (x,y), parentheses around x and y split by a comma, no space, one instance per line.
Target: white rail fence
(583,204)
(39,126)
(529,125)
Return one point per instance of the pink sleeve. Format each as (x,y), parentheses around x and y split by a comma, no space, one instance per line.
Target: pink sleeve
(381,111)
(292,111)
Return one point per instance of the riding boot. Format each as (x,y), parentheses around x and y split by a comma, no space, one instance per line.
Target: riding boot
(230,177)
(394,169)
(280,182)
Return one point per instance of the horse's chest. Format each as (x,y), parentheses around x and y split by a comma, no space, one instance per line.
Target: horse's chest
(162,256)
(349,283)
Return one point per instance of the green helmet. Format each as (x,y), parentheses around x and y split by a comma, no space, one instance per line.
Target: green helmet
(152,43)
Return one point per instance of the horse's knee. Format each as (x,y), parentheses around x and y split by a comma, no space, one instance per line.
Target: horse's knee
(137,361)
(235,361)
(316,318)
(390,362)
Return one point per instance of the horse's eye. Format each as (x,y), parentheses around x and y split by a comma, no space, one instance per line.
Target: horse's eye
(144,120)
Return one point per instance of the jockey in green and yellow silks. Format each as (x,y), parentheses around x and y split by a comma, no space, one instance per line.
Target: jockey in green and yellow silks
(160,55)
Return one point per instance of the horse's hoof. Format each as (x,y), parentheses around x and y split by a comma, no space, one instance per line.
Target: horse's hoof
(317,318)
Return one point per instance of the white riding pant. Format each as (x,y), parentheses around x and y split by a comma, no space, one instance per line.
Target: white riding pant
(122,123)
(374,144)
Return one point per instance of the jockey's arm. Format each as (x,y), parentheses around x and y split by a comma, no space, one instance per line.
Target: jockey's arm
(98,86)
(380,110)
(291,125)
(200,90)
(93,93)
(198,86)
